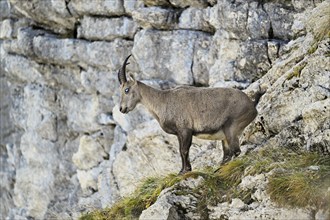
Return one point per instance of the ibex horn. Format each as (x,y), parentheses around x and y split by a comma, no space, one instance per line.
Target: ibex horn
(122,72)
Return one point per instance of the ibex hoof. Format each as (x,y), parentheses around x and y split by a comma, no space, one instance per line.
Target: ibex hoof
(226,159)
(182,172)
(237,153)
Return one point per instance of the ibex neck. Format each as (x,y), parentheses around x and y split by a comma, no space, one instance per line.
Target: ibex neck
(151,98)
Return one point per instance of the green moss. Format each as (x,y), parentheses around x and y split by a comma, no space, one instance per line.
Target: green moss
(313,48)
(293,184)
(296,71)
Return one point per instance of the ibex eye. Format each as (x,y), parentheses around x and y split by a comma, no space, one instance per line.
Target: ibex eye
(126,90)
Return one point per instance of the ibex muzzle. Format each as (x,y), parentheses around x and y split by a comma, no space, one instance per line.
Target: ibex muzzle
(208,113)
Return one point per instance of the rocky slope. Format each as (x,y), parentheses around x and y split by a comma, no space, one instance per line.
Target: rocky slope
(66,148)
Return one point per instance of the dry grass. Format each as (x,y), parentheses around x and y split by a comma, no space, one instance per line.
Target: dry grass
(298,186)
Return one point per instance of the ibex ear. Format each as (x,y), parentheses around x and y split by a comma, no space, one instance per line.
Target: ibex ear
(131,78)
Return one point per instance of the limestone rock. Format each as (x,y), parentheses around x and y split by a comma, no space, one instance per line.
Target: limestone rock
(97,7)
(6,125)
(262,207)
(10,27)
(146,147)
(273,47)
(293,81)
(154,17)
(130,121)
(29,71)
(119,143)
(169,205)
(179,51)
(106,185)
(52,14)
(301,5)
(172,19)
(95,81)
(88,179)
(204,153)
(196,19)
(315,116)
(162,209)
(263,213)
(24,43)
(105,119)
(250,182)
(189,3)
(236,16)
(6,29)
(106,29)
(224,53)
(238,61)
(258,24)
(89,203)
(132,5)
(156,3)
(48,125)
(297,95)
(281,21)
(4,10)
(90,153)
(22,68)
(82,111)
(68,51)
(36,196)
(238,204)
(319,141)
(253,61)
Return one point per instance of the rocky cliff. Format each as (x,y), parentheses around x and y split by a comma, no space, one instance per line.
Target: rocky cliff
(66,148)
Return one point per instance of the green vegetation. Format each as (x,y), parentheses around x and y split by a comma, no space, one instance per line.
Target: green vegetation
(296,71)
(292,183)
(131,207)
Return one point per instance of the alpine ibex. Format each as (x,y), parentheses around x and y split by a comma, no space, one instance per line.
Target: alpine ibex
(207,113)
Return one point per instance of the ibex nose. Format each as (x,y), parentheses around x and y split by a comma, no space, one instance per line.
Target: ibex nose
(123,110)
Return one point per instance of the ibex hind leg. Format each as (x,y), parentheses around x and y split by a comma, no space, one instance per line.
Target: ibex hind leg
(228,152)
(230,145)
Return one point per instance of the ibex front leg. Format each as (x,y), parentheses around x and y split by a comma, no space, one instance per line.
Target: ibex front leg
(185,138)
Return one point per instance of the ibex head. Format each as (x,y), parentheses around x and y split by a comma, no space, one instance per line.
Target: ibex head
(130,96)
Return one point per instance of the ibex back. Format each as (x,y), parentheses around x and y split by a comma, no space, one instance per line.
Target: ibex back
(208,113)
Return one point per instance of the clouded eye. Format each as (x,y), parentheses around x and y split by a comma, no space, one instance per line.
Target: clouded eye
(126,90)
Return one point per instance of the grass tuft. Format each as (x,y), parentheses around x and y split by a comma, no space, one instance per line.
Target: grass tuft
(131,207)
(297,186)
(299,189)
(233,171)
